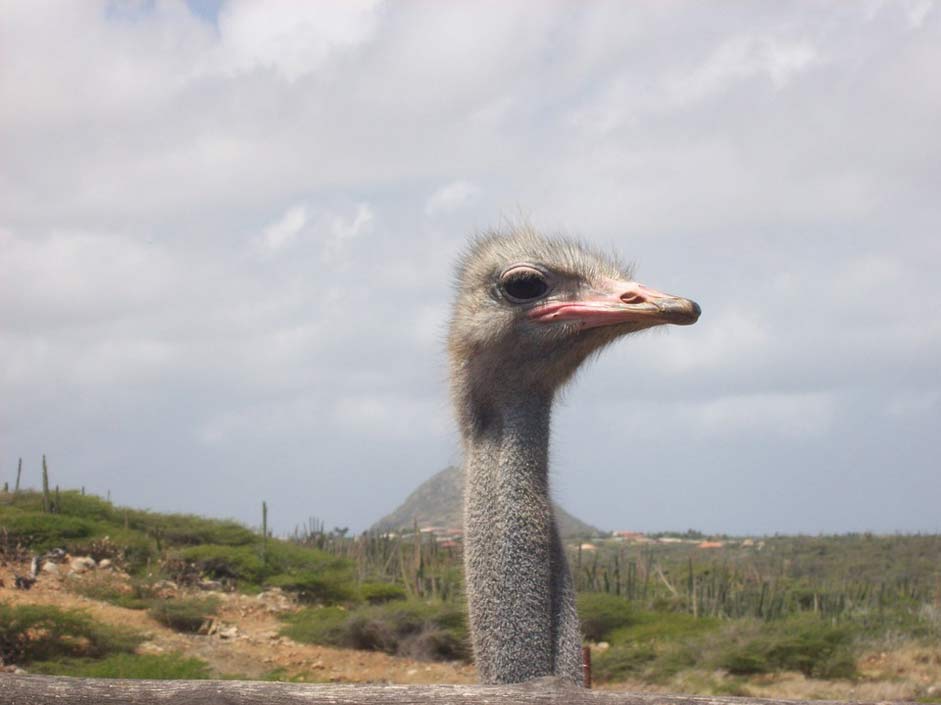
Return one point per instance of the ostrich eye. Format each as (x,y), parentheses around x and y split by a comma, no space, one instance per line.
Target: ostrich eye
(524,284)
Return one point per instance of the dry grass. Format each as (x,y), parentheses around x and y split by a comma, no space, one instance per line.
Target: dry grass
(908,671)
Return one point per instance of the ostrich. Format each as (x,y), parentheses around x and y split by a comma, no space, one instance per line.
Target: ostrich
(529,310)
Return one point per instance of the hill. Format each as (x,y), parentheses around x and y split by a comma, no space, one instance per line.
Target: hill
(437,502)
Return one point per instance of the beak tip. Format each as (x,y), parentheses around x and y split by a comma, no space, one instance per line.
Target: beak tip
(681,312)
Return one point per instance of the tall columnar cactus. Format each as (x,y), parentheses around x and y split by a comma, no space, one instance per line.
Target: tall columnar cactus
(264,532)
(19,471)
(46,499)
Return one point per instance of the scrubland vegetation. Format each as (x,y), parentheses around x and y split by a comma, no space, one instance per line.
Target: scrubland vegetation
(717,618)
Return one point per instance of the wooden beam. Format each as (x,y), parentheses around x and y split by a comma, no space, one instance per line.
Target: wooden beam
(57,690)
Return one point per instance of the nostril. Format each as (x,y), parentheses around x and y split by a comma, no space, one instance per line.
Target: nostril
(632,298)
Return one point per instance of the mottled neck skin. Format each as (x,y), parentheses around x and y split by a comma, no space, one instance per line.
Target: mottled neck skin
(520,596)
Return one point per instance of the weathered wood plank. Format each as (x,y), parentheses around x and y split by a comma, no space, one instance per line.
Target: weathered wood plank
(54,690)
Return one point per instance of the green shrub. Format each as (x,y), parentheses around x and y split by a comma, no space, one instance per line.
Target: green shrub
(431,631)
(326,586)
(123,546)
(287,557)
(672,659)
(148,666)
(71,503)
(601,613)
(191,530)
(621,662)
(325,625)
(38,633)
(114,592)
(186,615)
(226,562)
(816,649)
(314,575)
(662,627)
(377,593)
(41,531)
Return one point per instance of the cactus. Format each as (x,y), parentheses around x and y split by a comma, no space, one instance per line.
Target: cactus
(46,500)
(264,532)
(19,471)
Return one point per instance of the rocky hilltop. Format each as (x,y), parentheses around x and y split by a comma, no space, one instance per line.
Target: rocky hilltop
(437,502)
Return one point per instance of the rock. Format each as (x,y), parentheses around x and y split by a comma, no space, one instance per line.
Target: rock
(209,585)
(56,555)
(82,564)
(51,568)
(149,647)
(228,632)
(104,563)
(165,588)
(275,600)
(23,582)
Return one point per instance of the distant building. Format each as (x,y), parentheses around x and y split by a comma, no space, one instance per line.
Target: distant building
(710,544)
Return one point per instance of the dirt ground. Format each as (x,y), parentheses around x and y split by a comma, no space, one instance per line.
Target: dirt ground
(254,648)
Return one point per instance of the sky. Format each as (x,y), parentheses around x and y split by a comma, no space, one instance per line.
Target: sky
(228,229)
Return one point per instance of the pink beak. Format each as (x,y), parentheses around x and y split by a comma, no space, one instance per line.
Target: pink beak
(621,302)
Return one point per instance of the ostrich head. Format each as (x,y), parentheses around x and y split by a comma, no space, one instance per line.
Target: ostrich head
(529,310)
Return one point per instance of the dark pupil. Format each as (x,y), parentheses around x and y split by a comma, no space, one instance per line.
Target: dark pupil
(527,286)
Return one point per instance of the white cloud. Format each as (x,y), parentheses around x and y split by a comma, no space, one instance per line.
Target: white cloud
(922,402)
(451,197)
(293,37)
(284,230)
(791,416)
(374,417)
(741,58)
(340,230)
(69,277)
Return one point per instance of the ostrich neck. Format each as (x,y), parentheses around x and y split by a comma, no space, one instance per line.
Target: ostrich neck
(521,605)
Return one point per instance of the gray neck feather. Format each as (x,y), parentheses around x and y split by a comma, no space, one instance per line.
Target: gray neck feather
(520,597)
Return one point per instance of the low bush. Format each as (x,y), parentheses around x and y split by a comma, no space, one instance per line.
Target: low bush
(42,531)
(325,625)
(168,529)
(148,666)
(662,627)
(429,631)
(39,633)
(106,588)
(184,615)
(377,593)
(191,530)
(325,586)
(816,649)
(287,557)
(73,504)
(602,613)
(621,662)
(225,562)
